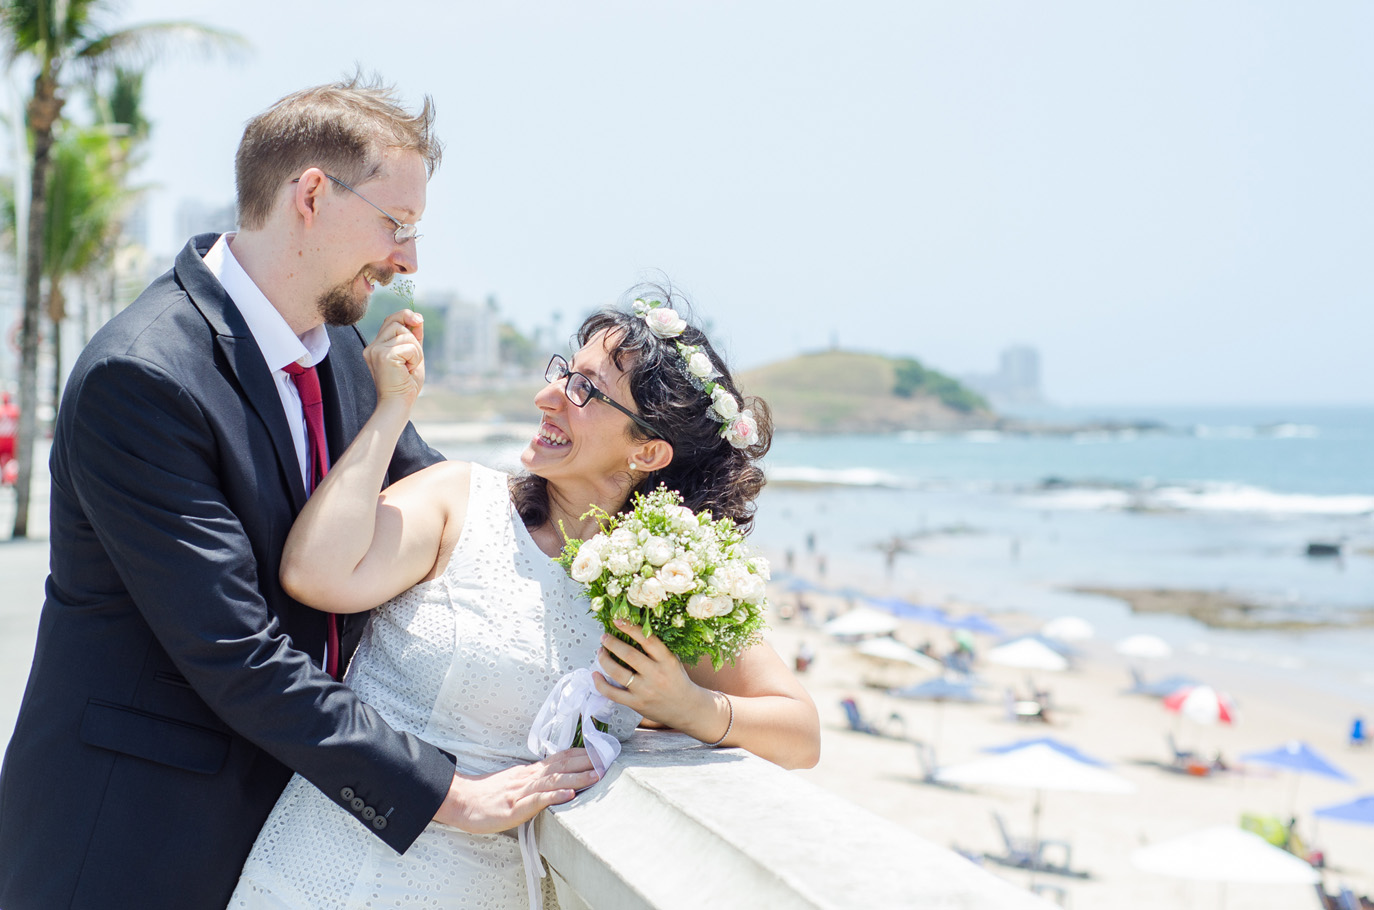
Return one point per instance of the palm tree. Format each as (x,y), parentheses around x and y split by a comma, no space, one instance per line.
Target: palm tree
(66,43)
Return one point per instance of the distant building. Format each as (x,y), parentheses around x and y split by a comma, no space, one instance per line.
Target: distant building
(1016,382)
(472,336)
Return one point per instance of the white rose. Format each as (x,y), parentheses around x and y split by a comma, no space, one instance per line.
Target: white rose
(725,578)
(586,565)
(623,538)
(657,551)
(677,576)
(613,588)
(723,605)
(665,322)
(741,431)
(699,365)
(648,593)
(700,606)
(619,562)
(724,404)
(751,590)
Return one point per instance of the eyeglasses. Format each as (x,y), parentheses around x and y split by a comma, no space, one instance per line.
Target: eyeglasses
(580,390)
(404,232)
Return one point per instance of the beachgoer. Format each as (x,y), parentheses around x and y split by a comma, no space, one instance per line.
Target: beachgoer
(175,685)
(479,622)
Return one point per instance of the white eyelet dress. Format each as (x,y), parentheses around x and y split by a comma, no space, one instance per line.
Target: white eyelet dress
(464,662)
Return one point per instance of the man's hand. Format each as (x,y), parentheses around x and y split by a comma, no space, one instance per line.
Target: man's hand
(397,359)
(501,800)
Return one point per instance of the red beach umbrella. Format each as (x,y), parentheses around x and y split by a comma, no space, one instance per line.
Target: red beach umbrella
(1202,704)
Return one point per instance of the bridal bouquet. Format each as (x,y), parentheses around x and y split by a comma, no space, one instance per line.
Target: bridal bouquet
(687,578)
(684,577)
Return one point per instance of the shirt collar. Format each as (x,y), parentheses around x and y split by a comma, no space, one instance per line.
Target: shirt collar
(279,345)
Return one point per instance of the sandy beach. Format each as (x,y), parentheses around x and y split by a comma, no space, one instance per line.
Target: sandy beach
(1130,732)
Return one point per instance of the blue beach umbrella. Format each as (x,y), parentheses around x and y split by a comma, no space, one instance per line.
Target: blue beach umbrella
(941,688)
(1058,745)
(797,583)
(1358,811)
(975,623)
(903,609)
(1298,758)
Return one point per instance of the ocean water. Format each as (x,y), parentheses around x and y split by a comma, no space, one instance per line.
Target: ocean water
(1221,499)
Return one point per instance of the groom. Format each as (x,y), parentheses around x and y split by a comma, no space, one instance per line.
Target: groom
(175,686)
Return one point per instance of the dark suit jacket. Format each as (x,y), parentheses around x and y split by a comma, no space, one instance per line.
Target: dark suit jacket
(175,686)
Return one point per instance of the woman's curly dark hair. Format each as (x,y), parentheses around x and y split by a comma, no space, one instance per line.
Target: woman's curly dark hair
(710,473)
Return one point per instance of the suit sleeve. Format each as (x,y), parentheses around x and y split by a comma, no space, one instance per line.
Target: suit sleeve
(146,471)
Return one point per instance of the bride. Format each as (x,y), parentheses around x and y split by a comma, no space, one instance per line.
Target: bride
(477,622)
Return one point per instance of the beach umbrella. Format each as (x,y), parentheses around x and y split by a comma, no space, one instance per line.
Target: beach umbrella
(797,583)
(1298,758)
(909,611)
(1067,628)
(892,651)
(862,621)
(1202,705)
(1144,647)
(941,688)
(974,623)
(1225,854)
(1162,687)
(1357,811)
(1027,654)
(1039,767)
(1053,743)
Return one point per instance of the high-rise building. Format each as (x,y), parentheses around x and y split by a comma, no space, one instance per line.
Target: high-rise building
(1016,382)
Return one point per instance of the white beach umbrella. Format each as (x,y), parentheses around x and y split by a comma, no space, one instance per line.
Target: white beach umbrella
(1027,654)
(1068,628)
(1145,647)
(1225,854)
(862,621)
(893,651)
(1039,767)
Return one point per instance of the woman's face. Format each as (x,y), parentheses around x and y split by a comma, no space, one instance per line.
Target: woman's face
(591,444)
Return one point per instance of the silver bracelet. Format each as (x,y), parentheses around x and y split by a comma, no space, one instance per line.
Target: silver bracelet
(728,726)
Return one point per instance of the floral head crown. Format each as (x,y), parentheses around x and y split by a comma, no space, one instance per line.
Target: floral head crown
(737,426)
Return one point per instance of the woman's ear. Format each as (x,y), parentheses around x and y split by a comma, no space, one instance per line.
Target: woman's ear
(654,455)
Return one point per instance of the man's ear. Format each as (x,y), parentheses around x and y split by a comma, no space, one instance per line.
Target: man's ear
(309,190)
(654,455)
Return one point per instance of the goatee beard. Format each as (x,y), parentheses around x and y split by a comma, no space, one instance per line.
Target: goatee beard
(342,305)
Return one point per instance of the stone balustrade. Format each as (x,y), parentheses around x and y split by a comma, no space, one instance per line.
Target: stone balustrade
(679,825)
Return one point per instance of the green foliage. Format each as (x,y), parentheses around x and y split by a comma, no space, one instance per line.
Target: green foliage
(912,377)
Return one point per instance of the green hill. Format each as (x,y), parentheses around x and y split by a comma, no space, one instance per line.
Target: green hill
(846,392)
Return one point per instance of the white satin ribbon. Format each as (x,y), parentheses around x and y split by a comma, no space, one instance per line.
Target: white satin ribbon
(573,698)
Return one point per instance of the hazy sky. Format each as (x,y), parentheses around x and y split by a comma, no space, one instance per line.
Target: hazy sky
(1172,200)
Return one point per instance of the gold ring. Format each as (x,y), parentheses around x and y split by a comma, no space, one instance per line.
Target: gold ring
(629,681)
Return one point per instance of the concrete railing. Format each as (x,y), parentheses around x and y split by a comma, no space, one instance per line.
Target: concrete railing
(678,825)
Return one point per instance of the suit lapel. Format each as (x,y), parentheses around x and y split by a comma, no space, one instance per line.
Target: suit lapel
(242,357)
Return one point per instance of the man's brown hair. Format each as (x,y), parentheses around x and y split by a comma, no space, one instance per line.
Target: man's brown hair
(342,128)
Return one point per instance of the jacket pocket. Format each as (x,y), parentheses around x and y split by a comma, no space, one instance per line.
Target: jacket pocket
(153,738)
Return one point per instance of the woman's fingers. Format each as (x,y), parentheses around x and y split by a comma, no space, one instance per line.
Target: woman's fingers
(651,644)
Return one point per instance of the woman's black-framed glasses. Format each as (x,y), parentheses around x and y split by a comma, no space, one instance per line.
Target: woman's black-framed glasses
(580,390)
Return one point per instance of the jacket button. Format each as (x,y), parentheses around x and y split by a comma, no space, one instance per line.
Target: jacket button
(346,793)
(357,804)
(369,813)
(379,822)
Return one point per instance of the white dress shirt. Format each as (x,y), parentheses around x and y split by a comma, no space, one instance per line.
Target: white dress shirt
(279,345)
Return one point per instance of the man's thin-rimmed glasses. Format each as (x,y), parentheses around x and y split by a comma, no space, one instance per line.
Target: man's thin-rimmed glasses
(404,232)
(580,390)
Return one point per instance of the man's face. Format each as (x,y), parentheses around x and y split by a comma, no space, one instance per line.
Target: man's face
(359,245)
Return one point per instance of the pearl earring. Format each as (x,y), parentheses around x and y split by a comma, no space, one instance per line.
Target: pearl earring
(633,466)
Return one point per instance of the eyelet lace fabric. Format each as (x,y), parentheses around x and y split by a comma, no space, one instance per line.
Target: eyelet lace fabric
(464,662)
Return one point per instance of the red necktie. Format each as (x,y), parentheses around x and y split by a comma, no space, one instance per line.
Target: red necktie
(312,403)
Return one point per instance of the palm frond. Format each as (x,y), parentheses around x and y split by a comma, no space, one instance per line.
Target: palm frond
(139,46)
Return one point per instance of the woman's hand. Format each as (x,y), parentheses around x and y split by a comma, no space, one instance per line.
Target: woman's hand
(396,357)
(657,685)
(499,801)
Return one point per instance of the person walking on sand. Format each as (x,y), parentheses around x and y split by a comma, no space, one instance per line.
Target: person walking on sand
(175,685)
